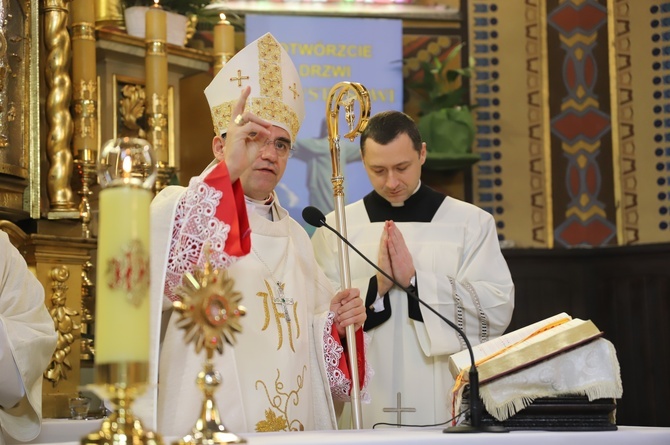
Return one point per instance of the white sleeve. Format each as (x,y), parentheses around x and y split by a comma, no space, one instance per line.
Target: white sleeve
(12,389)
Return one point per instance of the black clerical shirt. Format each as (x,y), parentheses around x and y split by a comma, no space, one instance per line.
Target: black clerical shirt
(420,208)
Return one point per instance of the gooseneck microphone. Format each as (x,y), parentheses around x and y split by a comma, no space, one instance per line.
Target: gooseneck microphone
(315,217)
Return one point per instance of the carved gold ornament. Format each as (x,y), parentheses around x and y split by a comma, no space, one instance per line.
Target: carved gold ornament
(65,320)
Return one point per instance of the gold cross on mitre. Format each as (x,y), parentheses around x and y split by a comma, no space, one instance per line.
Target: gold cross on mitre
(294,89)
(239,78)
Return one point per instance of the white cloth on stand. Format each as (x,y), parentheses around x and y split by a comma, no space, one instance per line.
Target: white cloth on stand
(591,370)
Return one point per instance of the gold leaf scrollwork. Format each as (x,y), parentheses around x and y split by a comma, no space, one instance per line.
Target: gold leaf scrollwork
(85,107)
(157,121)
(66,326)
(280,403)
(131,109)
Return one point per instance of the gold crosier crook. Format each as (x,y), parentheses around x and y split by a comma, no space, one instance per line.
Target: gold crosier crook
(346,94)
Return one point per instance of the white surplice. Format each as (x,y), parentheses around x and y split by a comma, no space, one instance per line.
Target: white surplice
(460,273)
(28,331)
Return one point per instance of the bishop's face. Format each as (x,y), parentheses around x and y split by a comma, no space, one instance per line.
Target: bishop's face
(394,169)
(259,180)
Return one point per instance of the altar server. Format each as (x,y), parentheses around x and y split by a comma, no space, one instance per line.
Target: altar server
(445,249)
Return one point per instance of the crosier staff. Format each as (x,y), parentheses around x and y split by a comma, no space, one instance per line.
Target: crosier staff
(346,94)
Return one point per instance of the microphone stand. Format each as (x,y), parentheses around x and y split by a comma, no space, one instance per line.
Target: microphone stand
(315,217)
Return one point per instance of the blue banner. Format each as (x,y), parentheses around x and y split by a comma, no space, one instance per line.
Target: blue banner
(326,51)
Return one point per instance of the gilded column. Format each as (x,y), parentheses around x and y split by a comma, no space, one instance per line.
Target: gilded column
(59,120)
(85,104)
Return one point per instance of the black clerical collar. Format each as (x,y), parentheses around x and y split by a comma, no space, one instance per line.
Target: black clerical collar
(420,207)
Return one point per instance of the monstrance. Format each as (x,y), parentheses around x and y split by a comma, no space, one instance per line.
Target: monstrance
(209,313)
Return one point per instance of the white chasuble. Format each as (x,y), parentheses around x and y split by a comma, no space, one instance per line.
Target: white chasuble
(460,273)
(28,339)
(275,377)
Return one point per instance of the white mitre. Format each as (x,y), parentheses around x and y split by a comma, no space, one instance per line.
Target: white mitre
(276,92)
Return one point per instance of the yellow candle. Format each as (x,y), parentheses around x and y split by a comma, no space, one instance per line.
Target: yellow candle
(224,36)
(156,23)
(122,287)
(84,80)
(156,76)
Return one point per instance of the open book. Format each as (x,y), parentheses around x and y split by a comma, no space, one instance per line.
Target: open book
(524,347)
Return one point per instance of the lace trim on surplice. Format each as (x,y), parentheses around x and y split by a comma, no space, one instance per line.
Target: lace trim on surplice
(340,384)
(196,224)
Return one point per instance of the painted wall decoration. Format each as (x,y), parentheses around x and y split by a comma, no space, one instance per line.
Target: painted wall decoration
(573,120)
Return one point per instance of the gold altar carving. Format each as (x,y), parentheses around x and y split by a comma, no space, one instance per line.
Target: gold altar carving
(66,326)
(19,144)
(131,109)
(49,255)
(85,106)
(57,262)
(135,116)
(87,315)
(59,121)
(157,120)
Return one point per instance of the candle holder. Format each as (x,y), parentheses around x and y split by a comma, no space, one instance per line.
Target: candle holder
(127,173)
(224,43)
(209,312)
(121,427)
(87,171)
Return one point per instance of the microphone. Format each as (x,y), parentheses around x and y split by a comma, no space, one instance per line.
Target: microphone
(316,218)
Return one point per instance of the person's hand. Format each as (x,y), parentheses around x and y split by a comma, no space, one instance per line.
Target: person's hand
(348,309)
(401,259)
(384,263)
(240,147)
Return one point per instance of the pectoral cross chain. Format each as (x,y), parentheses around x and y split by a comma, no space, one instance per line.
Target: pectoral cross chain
(281,299)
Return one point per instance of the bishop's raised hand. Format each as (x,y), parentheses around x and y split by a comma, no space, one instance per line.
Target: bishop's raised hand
(239,149)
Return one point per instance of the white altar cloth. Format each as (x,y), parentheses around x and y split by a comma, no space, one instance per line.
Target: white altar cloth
(69,432)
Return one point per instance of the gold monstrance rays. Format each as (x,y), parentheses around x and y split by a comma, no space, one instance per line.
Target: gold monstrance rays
(209,311)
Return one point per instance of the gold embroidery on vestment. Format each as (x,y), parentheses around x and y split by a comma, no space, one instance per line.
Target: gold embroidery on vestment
(280,403)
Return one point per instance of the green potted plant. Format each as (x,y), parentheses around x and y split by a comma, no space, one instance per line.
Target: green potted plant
(446,123)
